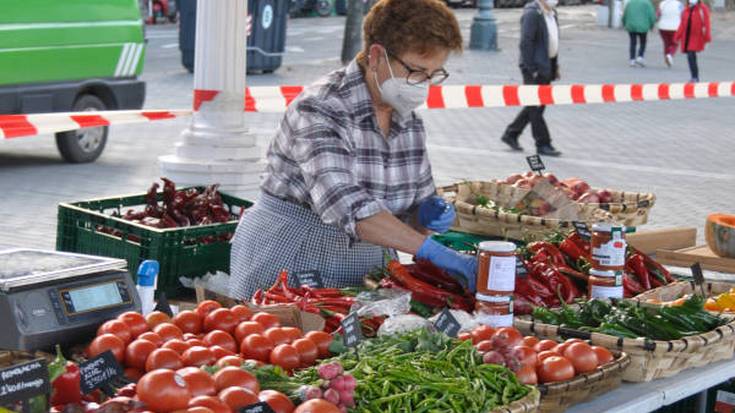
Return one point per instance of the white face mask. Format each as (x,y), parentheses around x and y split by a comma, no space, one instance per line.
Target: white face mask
(693,2)
(401,96)
(552,3)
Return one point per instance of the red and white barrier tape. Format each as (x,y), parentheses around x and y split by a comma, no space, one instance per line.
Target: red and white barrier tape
(270,99)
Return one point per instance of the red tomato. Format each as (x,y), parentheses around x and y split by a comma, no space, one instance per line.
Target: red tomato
(237,397)
(222,339)
(137,353)
(276,335)
(464,336)
(177,345)
(230,361)
(604,355)
(527,375)
(530,341)
(206,307)
(279,402)
(267,320)
(163,358)
(220,352)
(199,381)
(220,319)
(583,358)
(544,345)
(506,337)
(196,342)
(322,341)
(163,391)
(117,328)
(190,336)
(540,357)
(256,347)
(247,328)
(241,312)
(135,321)
(252,363)
(525,355)
(133,374)
(234,376)
(482,333)
(286,356)
(155,318)
(152,337)
(210,402)
(198,356)
(107,342)
(292,333)
(484,346)
(168,331)
(188,321)
(308,351)
(197,409)
(317,406)
(555,368)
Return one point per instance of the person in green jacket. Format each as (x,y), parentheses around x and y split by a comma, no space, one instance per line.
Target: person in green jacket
(639,18)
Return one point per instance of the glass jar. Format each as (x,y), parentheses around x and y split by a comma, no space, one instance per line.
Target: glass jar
(605,284)
(496,268)
(494,311)
(608,247)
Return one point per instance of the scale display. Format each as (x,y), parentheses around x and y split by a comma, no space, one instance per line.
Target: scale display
(95,297)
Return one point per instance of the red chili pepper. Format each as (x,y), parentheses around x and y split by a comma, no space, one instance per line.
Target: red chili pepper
(151,197)
(65,380)
(584,246)
(401,274)
(169,191)
(631,286)
(553,253)
(653,265)
(426,271)
(636,265)
(257,298)
(571,249)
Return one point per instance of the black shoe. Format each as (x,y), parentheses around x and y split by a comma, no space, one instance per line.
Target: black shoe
(513,143)
(547,150)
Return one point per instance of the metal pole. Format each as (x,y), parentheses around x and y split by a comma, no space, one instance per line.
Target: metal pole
(352,40)
(217,146)
(484,31)
(610,10)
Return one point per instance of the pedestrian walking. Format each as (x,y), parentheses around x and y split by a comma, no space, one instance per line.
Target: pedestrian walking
(639,17)
(695,31)
(539,66)
(669,18)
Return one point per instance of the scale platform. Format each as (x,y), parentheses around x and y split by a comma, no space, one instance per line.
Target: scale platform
(50,297)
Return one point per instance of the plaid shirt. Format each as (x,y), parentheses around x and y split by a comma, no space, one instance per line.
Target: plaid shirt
(330,156)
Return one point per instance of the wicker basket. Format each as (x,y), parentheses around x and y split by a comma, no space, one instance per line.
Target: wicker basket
(650,359)
(557,397)
(528,404)
(679,289)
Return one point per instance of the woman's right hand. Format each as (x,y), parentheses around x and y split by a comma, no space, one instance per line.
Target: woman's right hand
(462,267)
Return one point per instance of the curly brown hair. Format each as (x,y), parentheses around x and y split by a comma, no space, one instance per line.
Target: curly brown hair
(419,26)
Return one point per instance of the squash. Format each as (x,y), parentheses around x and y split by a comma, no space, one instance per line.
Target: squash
(720,233)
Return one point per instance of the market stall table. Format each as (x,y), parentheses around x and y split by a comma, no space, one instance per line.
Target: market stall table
(647,397)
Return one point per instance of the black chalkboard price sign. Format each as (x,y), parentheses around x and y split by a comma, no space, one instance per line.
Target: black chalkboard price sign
(352,330)
(535,163)
(583,230)
(261,407)
(99,371)
(311,279)
(24,381)
(447,324)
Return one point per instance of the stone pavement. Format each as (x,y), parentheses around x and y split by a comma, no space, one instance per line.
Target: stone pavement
(678,150)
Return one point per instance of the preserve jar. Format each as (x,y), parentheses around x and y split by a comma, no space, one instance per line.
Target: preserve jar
(494,311)
(608,247)
(496,268)
(605,284)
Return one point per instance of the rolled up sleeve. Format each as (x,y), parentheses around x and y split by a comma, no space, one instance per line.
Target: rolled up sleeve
(327,163)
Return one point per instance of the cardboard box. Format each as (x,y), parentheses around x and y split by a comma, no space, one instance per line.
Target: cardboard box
(665,239)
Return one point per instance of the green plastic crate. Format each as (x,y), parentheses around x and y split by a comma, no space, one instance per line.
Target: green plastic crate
(85,227)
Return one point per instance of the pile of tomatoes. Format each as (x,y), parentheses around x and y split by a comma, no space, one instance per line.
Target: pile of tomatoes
(533,360)
(165,356)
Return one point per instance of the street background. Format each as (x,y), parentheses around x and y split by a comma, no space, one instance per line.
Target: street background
(681,150)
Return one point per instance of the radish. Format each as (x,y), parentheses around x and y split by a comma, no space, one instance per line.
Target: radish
(332,396)
(338,383)
(329,371)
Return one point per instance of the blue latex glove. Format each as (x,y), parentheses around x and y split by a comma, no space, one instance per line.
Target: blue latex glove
(463,267)
(436,214)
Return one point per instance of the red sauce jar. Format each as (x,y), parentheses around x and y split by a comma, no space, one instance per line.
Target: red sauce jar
(494,311)
(605,284)
(608,247)
(496,268)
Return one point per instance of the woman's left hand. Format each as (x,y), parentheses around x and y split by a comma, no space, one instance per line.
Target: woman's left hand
(436,214)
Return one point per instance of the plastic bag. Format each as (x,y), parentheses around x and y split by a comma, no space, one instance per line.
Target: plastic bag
(467,321)
(402,324)
(218,282)
(389,302)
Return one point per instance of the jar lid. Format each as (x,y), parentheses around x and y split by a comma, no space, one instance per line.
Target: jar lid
(493,298)
(604,273)
(497,246)
(607,227)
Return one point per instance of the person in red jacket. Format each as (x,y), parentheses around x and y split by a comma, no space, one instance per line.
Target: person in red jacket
(695,31)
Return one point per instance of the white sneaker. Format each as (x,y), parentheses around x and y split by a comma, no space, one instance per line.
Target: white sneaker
(669,60)
(640,62)
(632,63)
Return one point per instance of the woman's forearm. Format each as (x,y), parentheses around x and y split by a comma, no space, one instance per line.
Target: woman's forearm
(386,230)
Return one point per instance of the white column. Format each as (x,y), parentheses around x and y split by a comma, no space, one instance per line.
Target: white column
(217,146)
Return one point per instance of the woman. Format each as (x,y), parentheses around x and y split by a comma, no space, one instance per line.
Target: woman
(669,12)
(694,33)
(639,17)
(348,175)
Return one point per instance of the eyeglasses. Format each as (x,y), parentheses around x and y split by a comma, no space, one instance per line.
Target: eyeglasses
(416,77)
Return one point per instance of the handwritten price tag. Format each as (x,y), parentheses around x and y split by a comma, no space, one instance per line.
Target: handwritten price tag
(99,371)
(535,163)
(24,381)
(311,279)
(447,324)
(352,330)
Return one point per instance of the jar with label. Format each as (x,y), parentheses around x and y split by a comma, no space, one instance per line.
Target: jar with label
(605,284)
(494,311)
(496,268)
(608,247)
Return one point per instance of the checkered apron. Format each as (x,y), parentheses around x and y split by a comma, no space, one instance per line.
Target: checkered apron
(276,234)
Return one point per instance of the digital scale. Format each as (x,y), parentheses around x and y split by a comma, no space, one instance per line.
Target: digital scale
(49,297)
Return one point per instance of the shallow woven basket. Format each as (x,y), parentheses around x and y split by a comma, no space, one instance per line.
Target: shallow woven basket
(557,397)
(528,404)
(650,359)
(671,292)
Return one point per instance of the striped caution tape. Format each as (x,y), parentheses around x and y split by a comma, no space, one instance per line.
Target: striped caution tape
(274,99)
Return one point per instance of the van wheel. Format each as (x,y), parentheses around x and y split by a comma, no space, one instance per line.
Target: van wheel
(83,145)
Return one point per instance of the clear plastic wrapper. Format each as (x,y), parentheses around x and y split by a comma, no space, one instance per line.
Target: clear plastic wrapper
(388,302)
